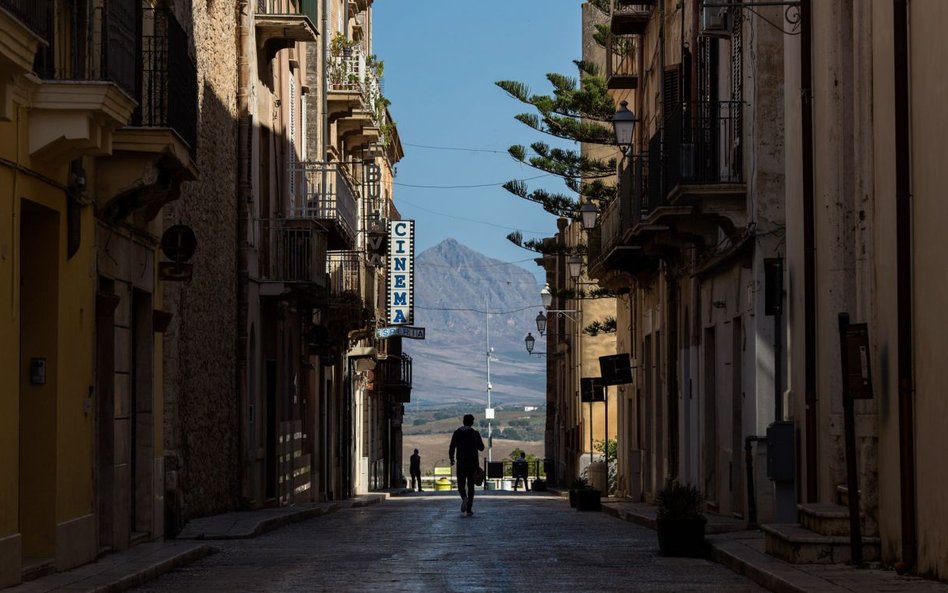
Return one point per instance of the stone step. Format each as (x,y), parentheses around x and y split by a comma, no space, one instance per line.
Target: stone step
(795,544)
(826,518)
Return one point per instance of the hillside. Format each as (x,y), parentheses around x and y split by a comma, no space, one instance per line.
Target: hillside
(454,288)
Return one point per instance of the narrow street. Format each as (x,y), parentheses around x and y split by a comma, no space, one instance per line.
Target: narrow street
(422,543)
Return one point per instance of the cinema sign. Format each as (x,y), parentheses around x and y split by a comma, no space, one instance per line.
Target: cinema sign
(401,272)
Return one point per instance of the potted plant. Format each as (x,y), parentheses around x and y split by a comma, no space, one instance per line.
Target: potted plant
(588,499)
(680,524)
(574,487)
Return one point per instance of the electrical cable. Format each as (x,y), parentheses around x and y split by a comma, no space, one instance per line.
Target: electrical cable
(499,183)
(500,226)
(454,148)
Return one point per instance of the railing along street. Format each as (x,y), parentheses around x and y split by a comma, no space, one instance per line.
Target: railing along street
(351,72)
(344,268)
(290,251)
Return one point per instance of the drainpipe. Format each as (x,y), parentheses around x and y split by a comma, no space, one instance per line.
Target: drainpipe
(809,248)
(325,82)
(903,223)
(244,197)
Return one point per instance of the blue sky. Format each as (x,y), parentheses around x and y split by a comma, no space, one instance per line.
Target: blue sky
(441,60)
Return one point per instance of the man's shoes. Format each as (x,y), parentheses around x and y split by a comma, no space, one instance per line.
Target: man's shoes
(470,513)
(464,504)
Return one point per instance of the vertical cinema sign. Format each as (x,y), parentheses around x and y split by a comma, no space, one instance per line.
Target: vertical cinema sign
(401,272)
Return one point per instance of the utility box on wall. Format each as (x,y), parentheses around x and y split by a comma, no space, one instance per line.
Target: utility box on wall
(781,462)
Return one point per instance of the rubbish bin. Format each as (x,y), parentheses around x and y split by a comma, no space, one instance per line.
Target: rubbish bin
(442,484)
(597,475)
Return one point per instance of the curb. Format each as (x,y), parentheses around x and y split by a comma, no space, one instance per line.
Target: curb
(130,581)
(732,554)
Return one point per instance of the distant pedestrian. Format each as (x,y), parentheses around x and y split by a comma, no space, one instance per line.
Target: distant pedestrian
(521,471)
(466,441)
(415,470)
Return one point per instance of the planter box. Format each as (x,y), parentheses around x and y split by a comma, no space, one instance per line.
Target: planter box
(588,499)
(681,537)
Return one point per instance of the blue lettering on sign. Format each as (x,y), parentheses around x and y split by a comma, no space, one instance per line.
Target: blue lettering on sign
(399,317)
(400,298)
(401,264)
(400,281)
(400,246)
(400,229)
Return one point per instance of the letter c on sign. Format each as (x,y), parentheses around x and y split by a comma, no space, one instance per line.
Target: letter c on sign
(400,229)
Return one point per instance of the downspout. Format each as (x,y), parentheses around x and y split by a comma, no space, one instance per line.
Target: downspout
(903,223)
(809,248)
(325,83)
(244,198)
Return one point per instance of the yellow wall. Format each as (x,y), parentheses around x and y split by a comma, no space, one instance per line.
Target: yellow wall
(57,323)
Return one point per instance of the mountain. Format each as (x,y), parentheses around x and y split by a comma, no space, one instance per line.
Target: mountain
(454,288)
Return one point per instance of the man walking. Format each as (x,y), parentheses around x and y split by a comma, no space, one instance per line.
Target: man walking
(521,470)
(415,470)
(466,442)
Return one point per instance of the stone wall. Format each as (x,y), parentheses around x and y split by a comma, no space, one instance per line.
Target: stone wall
(201,411)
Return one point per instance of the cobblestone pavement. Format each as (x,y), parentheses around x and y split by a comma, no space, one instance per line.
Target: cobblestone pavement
(512,543)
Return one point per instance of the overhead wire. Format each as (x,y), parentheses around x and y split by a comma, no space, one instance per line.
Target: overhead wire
(498,183)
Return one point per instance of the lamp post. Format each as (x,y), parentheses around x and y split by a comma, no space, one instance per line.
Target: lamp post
(575,266)
(588,214)
(623,124)
(529,342)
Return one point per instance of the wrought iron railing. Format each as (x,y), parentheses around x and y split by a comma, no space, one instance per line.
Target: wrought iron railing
(630,17)
(328,194)
(620,59)
(701,144)
(395,371)
(35,14)
(168,95)
(285,7)
(352,72)
(344,269)
(290,251)
(94,43)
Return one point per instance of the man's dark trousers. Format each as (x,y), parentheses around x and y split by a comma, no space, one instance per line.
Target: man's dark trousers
(466,484)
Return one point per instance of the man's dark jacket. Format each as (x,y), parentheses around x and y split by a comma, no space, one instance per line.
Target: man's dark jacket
(467,442)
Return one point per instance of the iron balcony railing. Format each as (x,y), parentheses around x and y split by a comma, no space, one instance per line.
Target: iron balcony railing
(291,251)
(35,14)
(344,269)
(168,93)
(328,194)
(285,7)
(96,41)
(620,61)
(395,371)
(630,17)
(701,144)
(351,72)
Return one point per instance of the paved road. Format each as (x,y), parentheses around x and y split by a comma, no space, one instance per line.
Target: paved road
(513,543)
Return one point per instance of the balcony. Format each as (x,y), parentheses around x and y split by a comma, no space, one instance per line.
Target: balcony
(355,97)
(393,377)
(702,161)
(620,62)
(630,18)
(24,28)
(162,136)
(292,256)
(615,247)
(282,23)
(329,197)
(89,69)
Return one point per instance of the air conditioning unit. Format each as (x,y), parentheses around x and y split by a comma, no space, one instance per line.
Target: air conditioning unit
(714,20)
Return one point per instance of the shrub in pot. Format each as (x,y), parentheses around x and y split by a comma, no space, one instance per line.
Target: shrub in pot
(576,485)
(588,499)
(680,523)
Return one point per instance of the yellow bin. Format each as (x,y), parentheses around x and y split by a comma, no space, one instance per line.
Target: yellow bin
(443,484)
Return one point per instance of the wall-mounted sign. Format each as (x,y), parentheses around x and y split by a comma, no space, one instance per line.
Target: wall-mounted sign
(178,243)
(591,389)
(401,272)
(616,369)
(414,333)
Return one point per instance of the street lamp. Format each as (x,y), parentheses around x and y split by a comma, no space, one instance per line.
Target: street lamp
(623,123)
(541,323)
(529,342)
(588,214)
(546,296)
(575,266)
